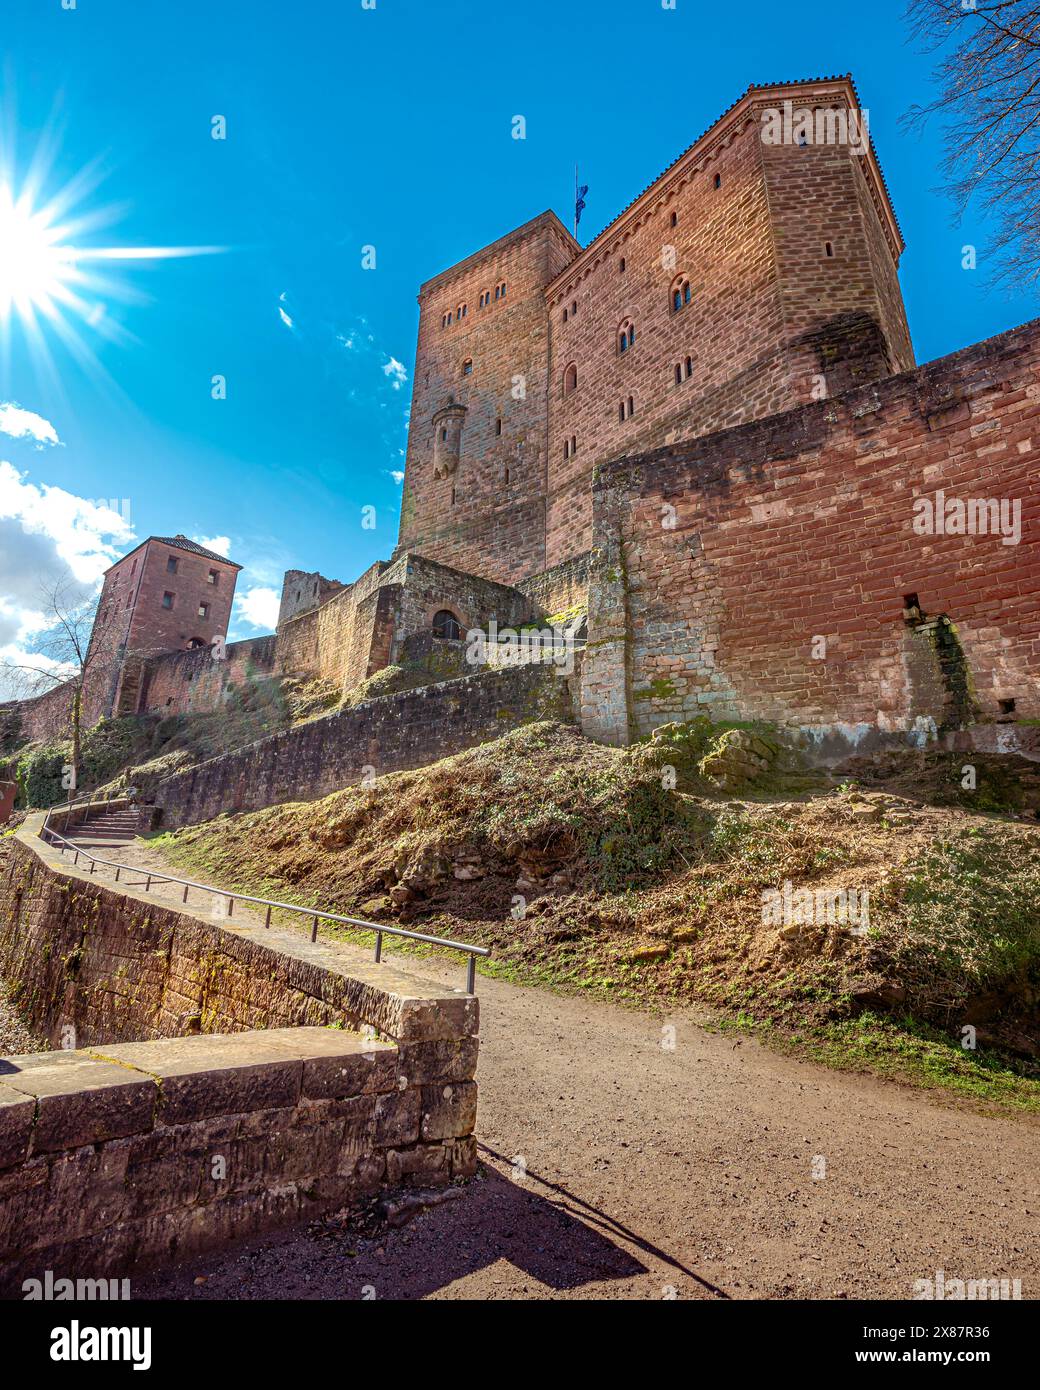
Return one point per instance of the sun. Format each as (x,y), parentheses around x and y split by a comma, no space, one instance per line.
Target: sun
(56,282)
(37,271)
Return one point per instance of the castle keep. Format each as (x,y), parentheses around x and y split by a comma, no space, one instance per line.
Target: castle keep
(703,435)
(744,281)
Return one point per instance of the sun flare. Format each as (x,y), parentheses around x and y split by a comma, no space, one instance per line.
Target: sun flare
(36,270)
(52,275)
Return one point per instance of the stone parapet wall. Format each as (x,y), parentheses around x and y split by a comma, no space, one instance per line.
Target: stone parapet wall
(186,1042)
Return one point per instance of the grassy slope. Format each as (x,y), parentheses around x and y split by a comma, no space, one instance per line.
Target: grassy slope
(583,870)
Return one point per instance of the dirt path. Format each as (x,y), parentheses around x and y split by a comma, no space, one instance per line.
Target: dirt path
(645,1169)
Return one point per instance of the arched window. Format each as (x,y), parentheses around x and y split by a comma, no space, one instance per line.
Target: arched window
(566,448)
(565,315)
(570,379)
(680,293)
(467,366)
(447,626)
(626,335)
(678,374)
(689,367)
(631,407)
(621,412)
(574,444)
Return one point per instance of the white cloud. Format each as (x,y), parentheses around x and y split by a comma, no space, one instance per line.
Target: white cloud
(46,536)
(285,317)
(220,545)
(85,536)
(26,424)
(396,371)
(397,476)
(258,607)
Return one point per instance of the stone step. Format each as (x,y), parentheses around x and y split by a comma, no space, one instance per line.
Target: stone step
(110,842)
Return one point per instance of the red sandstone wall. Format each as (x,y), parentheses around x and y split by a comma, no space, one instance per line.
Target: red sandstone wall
(802,526)
(487,516)
(770,311)
(194,683)
(41,719)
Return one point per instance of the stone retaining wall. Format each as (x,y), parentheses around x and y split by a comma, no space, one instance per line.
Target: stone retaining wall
(107,1153)
(389,734)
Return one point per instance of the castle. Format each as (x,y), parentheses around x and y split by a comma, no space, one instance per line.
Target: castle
(705,436)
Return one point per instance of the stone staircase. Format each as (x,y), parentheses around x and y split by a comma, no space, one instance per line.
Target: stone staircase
(104,827)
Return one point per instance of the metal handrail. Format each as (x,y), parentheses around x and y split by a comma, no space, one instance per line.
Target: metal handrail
(52,837)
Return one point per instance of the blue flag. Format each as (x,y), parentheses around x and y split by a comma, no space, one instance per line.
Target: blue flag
(579,202)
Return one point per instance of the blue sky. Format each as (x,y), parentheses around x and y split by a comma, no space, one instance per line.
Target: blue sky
(349,127)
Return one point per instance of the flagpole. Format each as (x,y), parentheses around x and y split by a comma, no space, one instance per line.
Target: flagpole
(575,202)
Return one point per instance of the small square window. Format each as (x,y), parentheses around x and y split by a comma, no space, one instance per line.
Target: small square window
(167,600)
(171,564)
(203,610)
(212,577)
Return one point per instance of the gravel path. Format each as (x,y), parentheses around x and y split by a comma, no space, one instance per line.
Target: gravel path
(624,1161)
(15,1035)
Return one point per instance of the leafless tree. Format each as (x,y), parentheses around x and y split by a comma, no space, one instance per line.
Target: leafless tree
(989,80)
(75,643)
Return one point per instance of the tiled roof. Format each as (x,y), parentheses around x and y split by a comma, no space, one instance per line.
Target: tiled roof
(183,543)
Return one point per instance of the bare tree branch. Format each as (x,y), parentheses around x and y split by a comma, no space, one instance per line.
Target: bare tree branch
(988,71)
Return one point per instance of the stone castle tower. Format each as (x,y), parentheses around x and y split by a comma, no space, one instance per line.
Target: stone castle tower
(169,594)
(753,276)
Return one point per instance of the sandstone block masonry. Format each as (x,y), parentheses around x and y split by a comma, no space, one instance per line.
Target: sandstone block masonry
(743,275)
(390,734)
(205,1100)
(800,570)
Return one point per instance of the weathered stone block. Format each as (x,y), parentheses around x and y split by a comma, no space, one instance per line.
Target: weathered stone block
(81,1100)
(16,1121)
(448,1111)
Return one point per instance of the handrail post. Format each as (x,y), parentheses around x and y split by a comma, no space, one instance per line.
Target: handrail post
(267,919)
(471,974)
(379,945)
(184,899)
(314,928)
(230,905)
